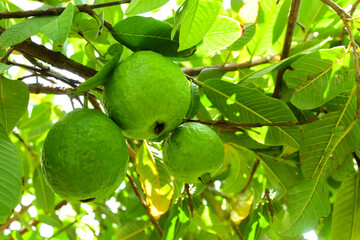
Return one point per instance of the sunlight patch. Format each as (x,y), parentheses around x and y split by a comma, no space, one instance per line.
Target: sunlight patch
(231,100)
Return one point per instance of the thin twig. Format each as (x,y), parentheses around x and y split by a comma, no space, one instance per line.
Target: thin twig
(94,102)
(57,10)
(253,170)
(143,203)
(4,58)
(28,148)
(271,210)
(353,7)
(23,210)
(217,193)
(35,222)
(190,199)
(229,67)
(237,231)
(291,24)
(345,17)
(64,228)
(47,73)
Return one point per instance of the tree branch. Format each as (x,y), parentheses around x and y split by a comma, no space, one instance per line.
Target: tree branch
(57,10)
(23,210)
(55,59)
(46,72)
(28,148)
(38,88)
(229,67)
(353,7)
(191,207)
(237,231)
(36,222)
(253,170)
(143,203)
(345,17)
(291,24)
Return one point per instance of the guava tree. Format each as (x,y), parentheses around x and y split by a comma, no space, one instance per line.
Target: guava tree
(277,80)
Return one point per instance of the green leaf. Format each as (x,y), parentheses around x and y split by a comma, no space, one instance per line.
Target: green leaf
(100,77)
(138,6)
(40,115)
(133,231)
(22,31)
(316,138)
(195,101)
(175,226)
(307,202)
(346,214)
(59,29)
(45,197)
(90,28)
(154,180)
(281,65)
(141,33)
(50,220)
(330,141)
(264,38)
(198,19)
(222,33)
(319,77)
(249,32)
(246,105)
(210,222)
(241,140)
(239,170)
(4,67)
(10,176)
(209,73)
(280,174)
(14,99)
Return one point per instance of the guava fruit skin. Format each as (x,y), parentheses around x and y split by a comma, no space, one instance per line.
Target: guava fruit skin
(147,90)
(192,150)
(84,156)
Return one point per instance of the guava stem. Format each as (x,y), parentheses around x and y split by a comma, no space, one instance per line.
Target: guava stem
(86,100)
(205,178)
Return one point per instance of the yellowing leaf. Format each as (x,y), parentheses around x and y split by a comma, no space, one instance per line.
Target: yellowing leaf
(241,209)
(249,11)
(154,180)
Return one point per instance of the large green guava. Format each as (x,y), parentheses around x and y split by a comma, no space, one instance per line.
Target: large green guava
(84,156)
(193,153)
(147,95)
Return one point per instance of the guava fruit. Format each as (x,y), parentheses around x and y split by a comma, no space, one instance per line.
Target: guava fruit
(147,95)
(193,153)
(84,156)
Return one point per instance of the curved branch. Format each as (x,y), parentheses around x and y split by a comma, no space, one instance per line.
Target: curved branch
(57,10)
(229,67)
(291,24)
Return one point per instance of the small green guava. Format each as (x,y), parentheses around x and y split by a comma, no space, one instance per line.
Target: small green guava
(193,153)
(84,156)
(147,95)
